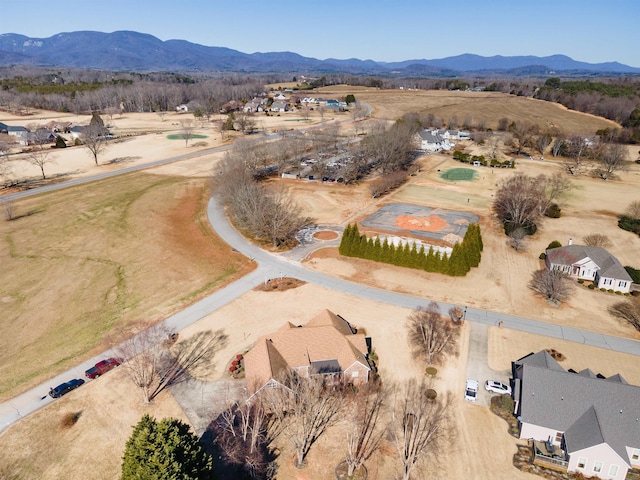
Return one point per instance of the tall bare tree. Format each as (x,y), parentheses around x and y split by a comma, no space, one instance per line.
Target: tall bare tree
(577,150)
(420,426)
(242,434)
(522,199)
(93,139)
(363,425)
(311,408)
(39,156)
(432,335)
(612,157)
(186,131)
(554,285)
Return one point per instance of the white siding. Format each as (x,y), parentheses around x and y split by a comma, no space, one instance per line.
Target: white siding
(528,430)
(598,453)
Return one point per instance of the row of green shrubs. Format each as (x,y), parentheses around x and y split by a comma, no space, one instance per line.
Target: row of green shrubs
(464,256)
(592,286)
(468,158)
(629,224)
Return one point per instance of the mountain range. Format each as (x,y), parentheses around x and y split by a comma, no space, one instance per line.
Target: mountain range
(134,51)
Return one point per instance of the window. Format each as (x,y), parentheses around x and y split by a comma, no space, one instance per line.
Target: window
(613,470)
(355,374)
(635,455)
(622,284)
(582,462)
(558,437)
(597,467)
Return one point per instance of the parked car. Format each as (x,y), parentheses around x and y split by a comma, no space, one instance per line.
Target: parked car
(497,387)
(102,367)
(471,391)
(65,388)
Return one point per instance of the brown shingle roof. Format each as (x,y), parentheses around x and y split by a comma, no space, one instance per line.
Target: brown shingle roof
(291,347)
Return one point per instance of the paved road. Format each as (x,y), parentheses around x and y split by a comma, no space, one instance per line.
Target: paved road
(272,266)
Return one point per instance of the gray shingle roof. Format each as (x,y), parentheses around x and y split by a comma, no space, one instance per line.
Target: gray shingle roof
(609,265)
(560,400)
(584,433)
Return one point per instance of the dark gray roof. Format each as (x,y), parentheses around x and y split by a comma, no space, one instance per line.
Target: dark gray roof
(617,378)
(324,367)
(584,433)
(558,399)
(541,359)
(427,136)
(609,265)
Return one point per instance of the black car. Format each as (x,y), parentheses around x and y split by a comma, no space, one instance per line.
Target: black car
(65,388)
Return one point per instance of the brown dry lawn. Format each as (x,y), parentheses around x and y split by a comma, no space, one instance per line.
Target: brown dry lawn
(83,265)
(144,215)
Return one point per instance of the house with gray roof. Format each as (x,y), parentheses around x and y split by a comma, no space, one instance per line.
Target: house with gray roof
(590,263)
(593,421)
(432,141)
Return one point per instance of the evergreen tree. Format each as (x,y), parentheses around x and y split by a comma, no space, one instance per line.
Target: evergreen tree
(60,143)
(430,261)
(422,258)
(457,265)
(377,250)
(437,262)
(385,253)
(414,258)
(346,242)
(164,450)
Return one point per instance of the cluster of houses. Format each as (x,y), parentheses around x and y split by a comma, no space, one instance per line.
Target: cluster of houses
(436,140)
(47,133)
(275,103)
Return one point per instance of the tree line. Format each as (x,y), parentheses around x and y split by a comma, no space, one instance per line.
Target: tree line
(464,255)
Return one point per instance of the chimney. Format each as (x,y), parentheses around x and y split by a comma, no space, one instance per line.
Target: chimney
(570,241)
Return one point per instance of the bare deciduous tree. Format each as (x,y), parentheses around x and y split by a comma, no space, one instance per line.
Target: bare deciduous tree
(40,156)
(241,432)
(633,210)
(142,355)
(542,142)
(521,199)
(186,131)
(363,427)
(154,361)
(612,157)
(554,285)
(522,135)
(557,146)
(9,210)
(517,238)
(432,335)
(311,408)
(420,427)
(493,142)
(628,311)
(93,139)
(577,149)
(597,240)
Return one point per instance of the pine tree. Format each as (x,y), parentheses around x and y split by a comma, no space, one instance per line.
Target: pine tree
(414,258)
(346,242)
(377,250)
(385,253)
(430,261)
(165,449)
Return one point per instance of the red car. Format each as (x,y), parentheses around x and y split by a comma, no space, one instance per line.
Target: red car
(102,367)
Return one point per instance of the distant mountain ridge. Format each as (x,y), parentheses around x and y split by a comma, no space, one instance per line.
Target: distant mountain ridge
(133,51)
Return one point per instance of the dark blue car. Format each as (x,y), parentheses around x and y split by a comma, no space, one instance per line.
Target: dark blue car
(65,388)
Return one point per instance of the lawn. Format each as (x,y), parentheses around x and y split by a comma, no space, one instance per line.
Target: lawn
(83,264)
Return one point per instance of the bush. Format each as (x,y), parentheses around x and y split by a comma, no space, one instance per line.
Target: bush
(77,142)
(591,286)
(634,273)
(553,211)
(542,256)
(580,281)
(603,289)
(554,244)
(610,290)
(60,143)
(629,224)
(618,292)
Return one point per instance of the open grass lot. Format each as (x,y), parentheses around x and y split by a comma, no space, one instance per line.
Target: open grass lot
(487,106)
(81,265)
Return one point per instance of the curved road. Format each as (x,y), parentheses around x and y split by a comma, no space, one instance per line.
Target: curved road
(272,266)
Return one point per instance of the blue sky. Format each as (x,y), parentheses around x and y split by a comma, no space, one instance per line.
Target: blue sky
(585,30)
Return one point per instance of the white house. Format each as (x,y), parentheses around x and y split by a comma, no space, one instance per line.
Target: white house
(432,141)
(590,263)
(590,422)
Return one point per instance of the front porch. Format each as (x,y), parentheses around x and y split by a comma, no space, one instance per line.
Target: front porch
(547,456)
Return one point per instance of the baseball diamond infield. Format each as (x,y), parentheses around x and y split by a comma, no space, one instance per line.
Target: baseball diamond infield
(421,222)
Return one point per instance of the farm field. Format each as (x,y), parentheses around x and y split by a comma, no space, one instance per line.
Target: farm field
(74,243)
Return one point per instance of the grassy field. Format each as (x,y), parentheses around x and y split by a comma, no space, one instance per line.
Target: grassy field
(489,107)
(81,265)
